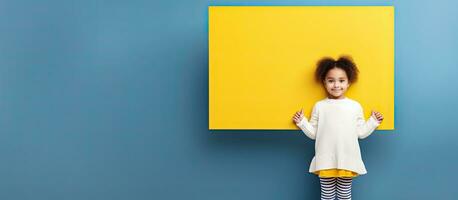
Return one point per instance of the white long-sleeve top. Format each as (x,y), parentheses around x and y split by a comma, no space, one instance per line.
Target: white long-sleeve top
(336,125)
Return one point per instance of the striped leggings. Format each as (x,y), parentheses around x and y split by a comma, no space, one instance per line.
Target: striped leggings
(337,185)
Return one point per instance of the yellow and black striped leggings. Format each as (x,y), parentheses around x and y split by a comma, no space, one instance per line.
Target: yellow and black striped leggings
(335,186)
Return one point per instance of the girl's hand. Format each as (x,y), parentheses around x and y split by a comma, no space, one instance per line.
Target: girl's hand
(378,116)
(298,116)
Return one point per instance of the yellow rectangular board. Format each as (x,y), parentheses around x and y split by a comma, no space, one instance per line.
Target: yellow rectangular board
(262,60)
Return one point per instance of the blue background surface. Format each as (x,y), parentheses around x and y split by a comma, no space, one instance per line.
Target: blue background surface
(109,100)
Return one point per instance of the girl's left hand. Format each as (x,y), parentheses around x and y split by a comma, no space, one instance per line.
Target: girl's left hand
(378,116)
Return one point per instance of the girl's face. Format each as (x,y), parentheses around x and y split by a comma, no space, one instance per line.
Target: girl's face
(336,83)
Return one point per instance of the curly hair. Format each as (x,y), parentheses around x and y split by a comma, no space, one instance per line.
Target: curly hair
(344,62)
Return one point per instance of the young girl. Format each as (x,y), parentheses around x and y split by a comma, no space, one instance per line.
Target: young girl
(336,124)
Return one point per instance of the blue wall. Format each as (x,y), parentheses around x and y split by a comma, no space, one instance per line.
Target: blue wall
(109,100)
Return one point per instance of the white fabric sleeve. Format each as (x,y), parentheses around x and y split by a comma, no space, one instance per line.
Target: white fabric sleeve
(309,127)
(365,128)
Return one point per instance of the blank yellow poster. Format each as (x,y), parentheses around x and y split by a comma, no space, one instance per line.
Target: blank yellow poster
(262,60)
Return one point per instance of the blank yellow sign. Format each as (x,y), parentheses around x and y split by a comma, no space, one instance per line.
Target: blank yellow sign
(262,60)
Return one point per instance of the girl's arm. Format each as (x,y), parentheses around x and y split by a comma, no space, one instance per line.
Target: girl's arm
(365,128)
(309,127)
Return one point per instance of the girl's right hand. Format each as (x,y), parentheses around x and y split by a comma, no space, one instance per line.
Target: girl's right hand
(298,116)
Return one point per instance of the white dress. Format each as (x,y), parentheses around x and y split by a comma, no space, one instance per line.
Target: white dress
(336,125)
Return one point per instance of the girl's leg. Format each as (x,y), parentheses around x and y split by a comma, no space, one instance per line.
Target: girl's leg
(328,188)
(344,188)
